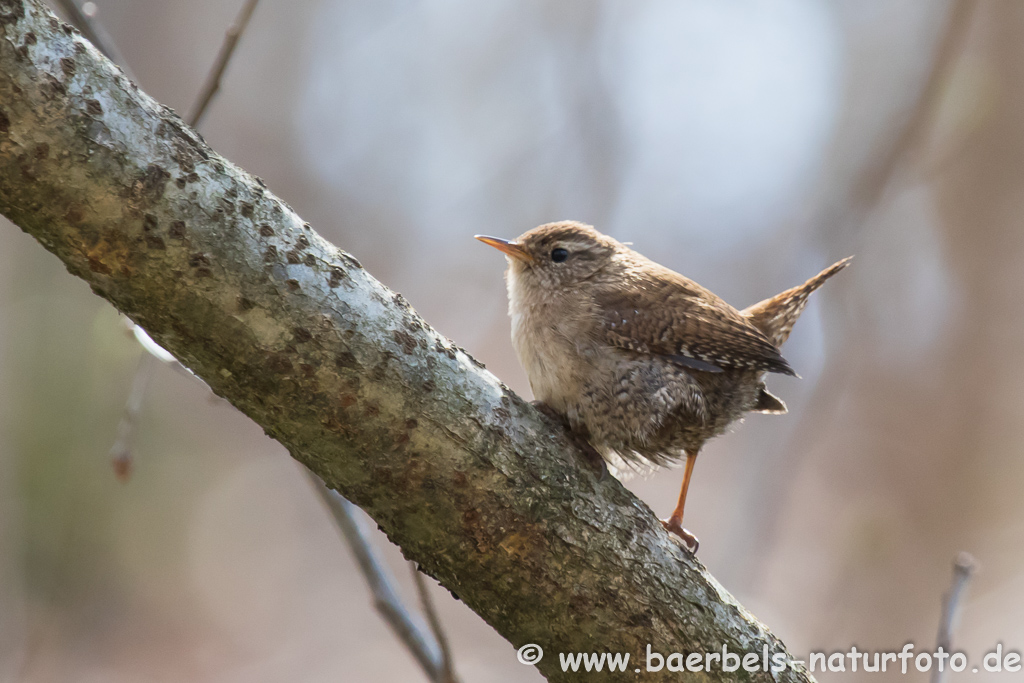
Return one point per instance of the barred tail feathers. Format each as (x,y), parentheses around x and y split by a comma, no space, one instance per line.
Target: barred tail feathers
(775,316)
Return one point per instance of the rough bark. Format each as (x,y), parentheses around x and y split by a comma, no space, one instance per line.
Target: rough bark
(468,479)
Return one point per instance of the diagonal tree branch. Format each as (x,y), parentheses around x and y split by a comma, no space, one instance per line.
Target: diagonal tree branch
(432,655)
(469,480)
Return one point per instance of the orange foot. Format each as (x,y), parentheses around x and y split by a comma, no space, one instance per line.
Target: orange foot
(690,541)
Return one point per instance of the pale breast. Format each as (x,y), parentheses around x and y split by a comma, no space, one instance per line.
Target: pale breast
(545,335)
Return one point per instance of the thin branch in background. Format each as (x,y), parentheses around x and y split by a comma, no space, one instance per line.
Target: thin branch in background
(84,19)
(447,673)
(766,484)
(121,452)
(227,48)
(964,567)
(424,648)
(868,193)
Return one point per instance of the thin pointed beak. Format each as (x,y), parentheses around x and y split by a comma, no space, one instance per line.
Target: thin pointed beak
(511,248)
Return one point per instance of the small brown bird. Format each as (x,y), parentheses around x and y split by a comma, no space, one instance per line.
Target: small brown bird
(643,363)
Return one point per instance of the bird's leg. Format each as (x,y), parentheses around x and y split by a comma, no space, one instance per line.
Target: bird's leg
(675,522)
(591,455)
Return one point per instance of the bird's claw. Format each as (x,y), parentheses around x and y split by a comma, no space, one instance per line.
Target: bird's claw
(548,411)
(690,541)
(590,453)
(595,460)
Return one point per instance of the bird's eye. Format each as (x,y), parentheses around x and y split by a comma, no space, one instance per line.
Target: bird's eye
(559,255)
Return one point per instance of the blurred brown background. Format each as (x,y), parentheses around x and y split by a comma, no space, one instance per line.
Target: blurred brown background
(745,143)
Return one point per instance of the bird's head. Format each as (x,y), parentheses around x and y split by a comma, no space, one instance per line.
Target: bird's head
(556,255)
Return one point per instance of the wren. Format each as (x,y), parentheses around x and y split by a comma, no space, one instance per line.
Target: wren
(642,363)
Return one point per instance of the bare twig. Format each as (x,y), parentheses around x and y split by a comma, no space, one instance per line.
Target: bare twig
(447,670)
(121,453)
(418,641)
(766,483)
(964,567)
(870,190)
(227,48)
(93,30)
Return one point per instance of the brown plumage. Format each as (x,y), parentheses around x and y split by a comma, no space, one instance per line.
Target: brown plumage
(775,316)
(643,363)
